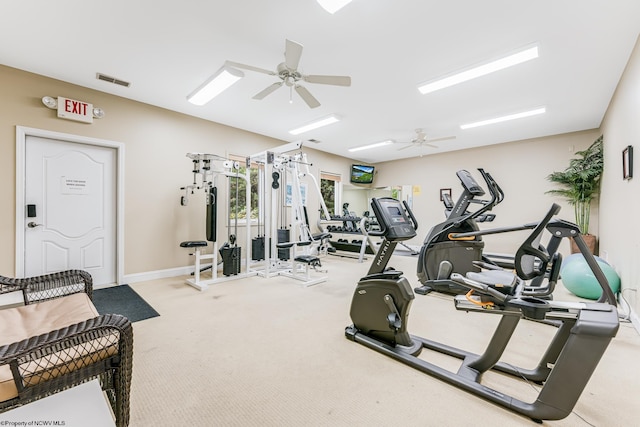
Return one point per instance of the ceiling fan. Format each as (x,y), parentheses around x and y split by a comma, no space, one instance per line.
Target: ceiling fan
(421,140)
(289,75)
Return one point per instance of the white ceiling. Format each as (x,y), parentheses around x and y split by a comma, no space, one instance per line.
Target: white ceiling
(168,48)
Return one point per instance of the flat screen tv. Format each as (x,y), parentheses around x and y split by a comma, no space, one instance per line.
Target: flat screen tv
(361,174)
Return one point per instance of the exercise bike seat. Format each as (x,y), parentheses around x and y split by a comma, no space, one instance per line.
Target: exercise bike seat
(501,280)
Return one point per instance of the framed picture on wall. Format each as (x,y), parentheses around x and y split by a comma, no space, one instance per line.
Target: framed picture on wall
(445,192)
(627,162)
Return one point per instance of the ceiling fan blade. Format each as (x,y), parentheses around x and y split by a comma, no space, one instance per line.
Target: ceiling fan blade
(292,54)
(329,80)
(307,97)
(424,144)
(250,67)
(445,138)
(405,147)
(268,90)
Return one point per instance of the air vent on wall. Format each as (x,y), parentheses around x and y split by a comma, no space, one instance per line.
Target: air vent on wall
(113,80)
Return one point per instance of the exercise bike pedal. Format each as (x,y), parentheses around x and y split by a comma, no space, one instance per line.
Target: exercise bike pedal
(423,290)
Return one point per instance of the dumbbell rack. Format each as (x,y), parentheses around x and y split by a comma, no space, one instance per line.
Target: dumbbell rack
(349,249)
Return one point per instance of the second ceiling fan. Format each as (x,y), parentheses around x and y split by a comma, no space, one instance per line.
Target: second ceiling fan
(289,75)
(421,140)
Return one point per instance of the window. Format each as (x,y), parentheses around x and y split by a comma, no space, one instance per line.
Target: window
(330,190)
(238,187)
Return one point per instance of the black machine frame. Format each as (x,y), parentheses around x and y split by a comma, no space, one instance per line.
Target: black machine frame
(456,246)
(380,308)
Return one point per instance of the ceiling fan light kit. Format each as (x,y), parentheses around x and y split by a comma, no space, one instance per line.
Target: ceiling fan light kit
(481,70)
(224,78)
(421,140)
(332,6)
(289,76)
(324,121)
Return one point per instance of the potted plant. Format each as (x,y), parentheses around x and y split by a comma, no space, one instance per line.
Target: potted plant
(580,184)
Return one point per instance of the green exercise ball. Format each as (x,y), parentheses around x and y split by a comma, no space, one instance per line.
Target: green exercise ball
(578,278)
(578,257)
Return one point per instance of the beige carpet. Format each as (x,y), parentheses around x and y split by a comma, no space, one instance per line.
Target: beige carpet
(268,352)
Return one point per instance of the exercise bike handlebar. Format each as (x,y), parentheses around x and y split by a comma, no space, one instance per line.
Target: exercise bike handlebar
(410,213)
(383,226)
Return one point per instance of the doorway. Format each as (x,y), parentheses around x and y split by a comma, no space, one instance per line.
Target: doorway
(69,205)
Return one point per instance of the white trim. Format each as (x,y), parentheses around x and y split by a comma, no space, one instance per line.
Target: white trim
(21,137)
(158,274)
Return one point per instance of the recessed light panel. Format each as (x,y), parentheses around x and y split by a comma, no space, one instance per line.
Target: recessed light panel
(481,70)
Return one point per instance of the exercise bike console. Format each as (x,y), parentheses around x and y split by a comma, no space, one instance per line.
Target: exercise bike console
(396,220)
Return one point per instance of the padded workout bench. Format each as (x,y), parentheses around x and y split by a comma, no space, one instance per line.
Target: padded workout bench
(198,245)
(308,261)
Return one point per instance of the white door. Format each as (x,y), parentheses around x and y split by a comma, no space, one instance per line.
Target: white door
(70,208)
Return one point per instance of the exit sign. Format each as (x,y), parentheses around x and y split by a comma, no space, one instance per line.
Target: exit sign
(71,109)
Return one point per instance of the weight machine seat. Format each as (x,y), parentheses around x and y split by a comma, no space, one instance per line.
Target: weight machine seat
(193,244)
(288,245)
(311,260)
(321,236)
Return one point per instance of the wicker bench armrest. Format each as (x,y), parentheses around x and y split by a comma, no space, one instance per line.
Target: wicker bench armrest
(49,286)
(58,360)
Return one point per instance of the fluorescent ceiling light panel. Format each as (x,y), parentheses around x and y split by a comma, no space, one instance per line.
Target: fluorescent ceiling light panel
(529,113)
(215,85)
(375,145)
(332,6)
(500,64)
(315,125)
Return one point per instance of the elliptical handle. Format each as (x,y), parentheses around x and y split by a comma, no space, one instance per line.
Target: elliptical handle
(498,189)
(491,185)
(413,218)
(607,294)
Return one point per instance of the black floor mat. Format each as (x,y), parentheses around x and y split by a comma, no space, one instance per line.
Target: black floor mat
(124,301)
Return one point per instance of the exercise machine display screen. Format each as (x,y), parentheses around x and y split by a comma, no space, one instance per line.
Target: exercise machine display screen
(391,215)
(396,214)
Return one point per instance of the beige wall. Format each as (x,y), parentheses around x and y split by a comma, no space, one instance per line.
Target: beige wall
(520,168)
(620,199)
(156,141)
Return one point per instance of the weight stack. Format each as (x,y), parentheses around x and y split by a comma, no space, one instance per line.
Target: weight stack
(283,236)
(231,260)
(257,248)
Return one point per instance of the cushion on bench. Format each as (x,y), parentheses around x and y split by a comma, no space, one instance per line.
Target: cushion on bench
(32,320)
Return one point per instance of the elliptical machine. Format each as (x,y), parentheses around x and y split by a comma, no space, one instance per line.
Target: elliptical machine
(455,246)
(382,300)
(444,253)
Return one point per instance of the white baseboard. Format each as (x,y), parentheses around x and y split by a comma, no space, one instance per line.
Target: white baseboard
(160,274)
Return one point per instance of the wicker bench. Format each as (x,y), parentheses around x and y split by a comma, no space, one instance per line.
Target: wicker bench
(57,340)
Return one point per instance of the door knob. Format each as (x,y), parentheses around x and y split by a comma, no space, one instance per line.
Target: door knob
(33,225)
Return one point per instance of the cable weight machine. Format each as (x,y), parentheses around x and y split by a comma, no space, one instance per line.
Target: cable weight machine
(206,170)
(291,248)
